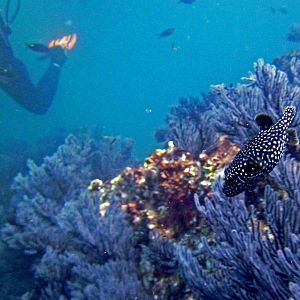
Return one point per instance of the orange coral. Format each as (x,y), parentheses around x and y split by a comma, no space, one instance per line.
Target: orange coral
(158,197)
(159,193)
(216,160)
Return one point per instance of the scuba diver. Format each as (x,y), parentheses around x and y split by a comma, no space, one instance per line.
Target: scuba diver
(14,77)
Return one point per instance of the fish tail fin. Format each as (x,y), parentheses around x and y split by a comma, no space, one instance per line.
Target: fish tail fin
(286,119)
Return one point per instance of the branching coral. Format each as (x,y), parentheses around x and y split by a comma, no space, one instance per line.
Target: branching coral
(287,175)
(234,109)
(99,249)
(294,33)
(214,162)
(57,220)
(114,280)
(246,263)
(190,127)
(96,250)
(41,195)
(159,262)
(290,64)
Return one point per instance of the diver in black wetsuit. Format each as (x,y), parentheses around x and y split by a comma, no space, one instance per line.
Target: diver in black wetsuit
(15,81)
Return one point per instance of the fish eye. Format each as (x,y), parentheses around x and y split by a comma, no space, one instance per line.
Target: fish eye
(250,167)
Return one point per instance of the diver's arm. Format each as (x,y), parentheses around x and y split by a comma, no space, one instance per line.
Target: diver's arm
(37,99)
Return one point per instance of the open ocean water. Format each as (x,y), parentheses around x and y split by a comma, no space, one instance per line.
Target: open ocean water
(120,69)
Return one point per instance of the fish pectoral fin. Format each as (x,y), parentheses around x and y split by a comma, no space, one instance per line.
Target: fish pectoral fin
(264,121)
(292,138)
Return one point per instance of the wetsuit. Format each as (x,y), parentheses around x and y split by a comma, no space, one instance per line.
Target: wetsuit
(37,99)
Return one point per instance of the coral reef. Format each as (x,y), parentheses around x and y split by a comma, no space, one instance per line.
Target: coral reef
(286,176)
(294,33)
(214,162)
(159,265)
(98,249)
(13,162)
(249,258)
(42,194)
(189,127)
(290,64)
(91,234)
(252,252)
(57,222)
(158,194)
(246,262)
(157,197)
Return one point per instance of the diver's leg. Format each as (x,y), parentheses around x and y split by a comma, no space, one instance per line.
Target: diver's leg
(47,86)
(6,53)
(36,99)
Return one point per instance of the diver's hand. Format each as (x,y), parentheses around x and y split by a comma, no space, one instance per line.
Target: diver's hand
(57,56)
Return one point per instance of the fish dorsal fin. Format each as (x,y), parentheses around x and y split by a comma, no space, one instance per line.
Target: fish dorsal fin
(292,138)
(264,121)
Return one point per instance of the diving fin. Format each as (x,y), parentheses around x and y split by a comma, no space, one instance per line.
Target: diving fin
(264,121)
(292,138)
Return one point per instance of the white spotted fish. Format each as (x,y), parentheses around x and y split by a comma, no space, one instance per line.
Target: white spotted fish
(259,156)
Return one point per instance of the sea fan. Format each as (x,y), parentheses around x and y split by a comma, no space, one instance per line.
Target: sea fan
(245,261)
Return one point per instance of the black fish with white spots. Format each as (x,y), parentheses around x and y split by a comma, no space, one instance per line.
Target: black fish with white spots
(259,156)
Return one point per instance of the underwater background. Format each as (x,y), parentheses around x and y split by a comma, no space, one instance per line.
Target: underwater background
(95,201)
(120,69)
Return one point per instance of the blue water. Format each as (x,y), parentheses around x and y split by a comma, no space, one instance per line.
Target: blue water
(120,69)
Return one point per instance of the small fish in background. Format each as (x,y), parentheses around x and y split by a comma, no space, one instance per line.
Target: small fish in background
(186,1)
(68,22)
(174,47)
(148,110)
(111,140)
(294,33)
(273,10)
(283,10)
(259,156)
(167,32)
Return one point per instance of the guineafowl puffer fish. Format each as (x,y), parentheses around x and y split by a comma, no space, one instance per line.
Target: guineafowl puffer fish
(259,156)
